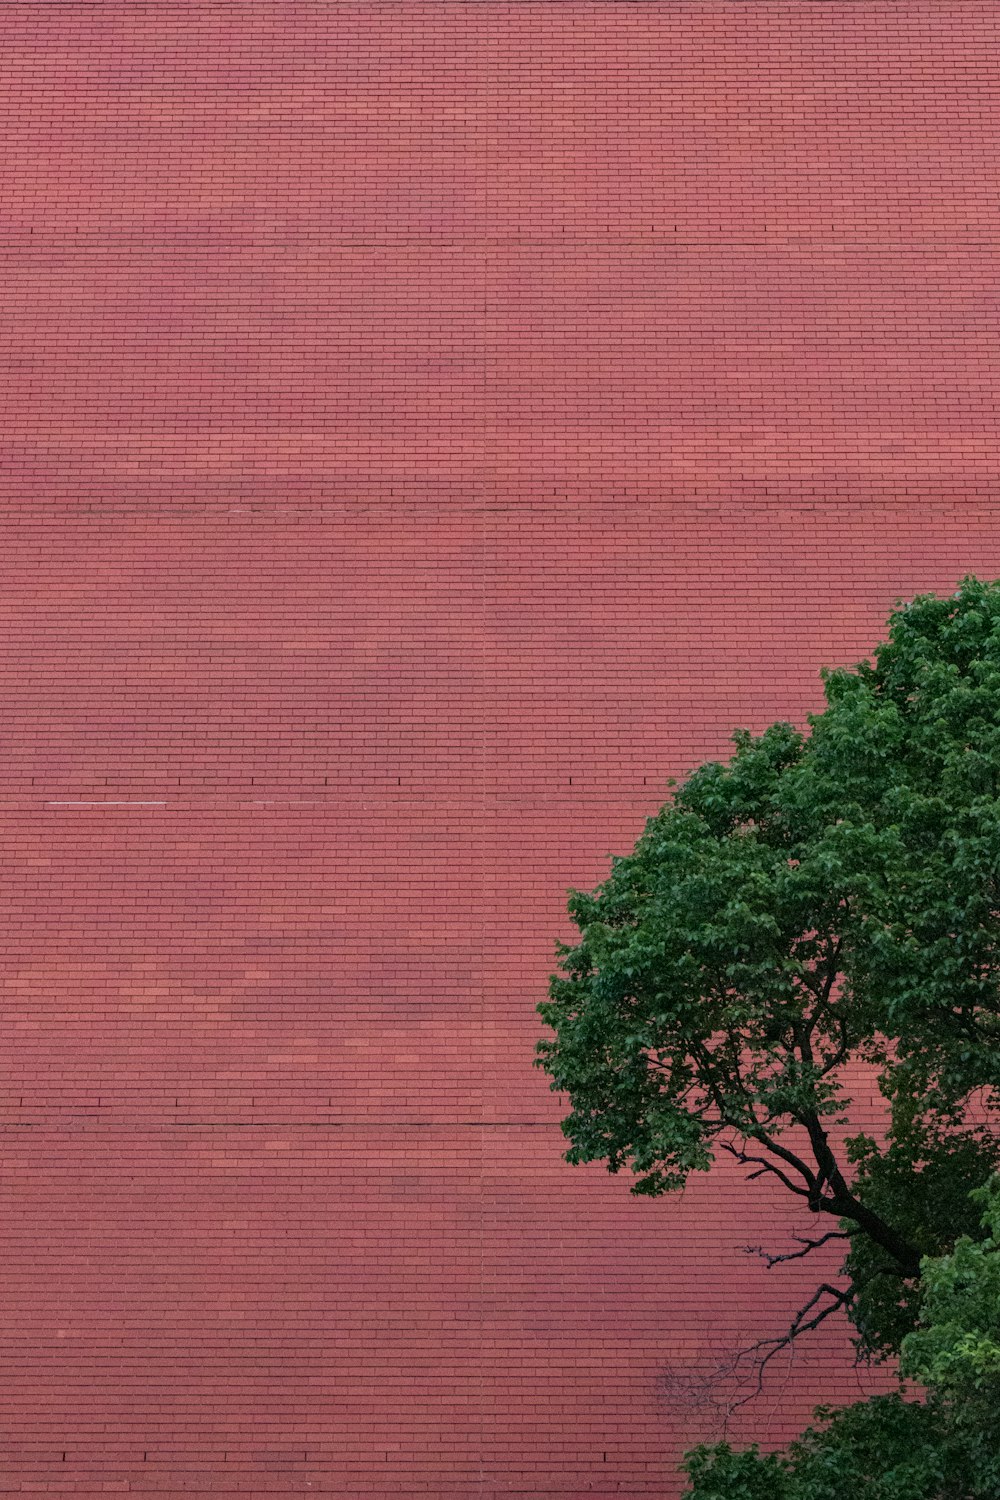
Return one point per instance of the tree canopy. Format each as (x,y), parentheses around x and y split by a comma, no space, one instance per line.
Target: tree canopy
(827,899)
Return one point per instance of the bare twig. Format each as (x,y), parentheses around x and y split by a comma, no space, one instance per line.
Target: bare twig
(705,1387)
(807,1244)
(763,1351)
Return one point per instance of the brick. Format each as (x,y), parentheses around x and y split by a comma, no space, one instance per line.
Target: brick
(427,428)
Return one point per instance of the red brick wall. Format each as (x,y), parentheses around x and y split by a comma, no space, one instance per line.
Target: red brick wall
(426,427)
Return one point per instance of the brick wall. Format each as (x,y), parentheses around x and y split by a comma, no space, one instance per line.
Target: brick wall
(426,427)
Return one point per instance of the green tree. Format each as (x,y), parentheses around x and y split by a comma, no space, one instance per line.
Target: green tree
(942,1445)
(826,899)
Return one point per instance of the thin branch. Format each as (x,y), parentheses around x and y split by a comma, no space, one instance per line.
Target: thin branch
(833,971)
(703,1061)
(808,1247)
(764,1350)
(823,989)
(745,1159)
(823,1005)
(790,1159)
(836,1058)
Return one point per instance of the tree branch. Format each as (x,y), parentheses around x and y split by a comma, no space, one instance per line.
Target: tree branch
(745,1159)
(790,1159)
(808,1247)
(842,1050)
(764,1350)
(843,1203)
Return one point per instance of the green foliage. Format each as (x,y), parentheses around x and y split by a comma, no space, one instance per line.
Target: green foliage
(943,1446)
(955,1350)
(883,1449)
(825,898)
(720,1473)
(921,1182)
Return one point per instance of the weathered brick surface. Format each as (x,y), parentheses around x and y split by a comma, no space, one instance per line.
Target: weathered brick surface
(426,427)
